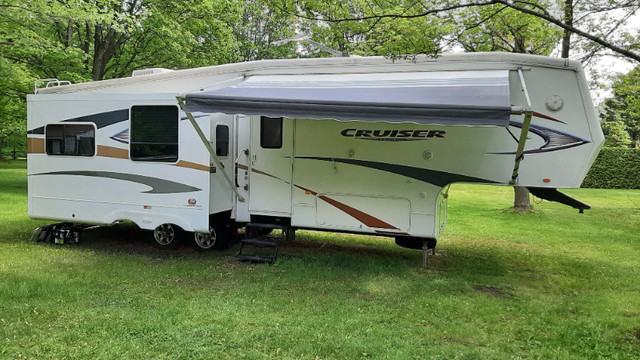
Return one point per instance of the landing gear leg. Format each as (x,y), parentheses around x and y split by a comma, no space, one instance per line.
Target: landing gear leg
(426,246)
(425,252)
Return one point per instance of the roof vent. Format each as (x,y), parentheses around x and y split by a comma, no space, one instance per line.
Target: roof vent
(151,71)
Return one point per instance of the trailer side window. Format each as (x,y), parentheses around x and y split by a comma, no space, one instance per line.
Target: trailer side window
(154,133)
(71,140)
(222,140)
(270,132)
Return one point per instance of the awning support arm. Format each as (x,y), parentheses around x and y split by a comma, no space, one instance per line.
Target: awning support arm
(528,114)
(212,152)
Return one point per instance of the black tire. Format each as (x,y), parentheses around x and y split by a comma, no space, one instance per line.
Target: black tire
(167,236)
(217,239)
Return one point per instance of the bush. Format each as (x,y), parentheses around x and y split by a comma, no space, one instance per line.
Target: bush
(615,168)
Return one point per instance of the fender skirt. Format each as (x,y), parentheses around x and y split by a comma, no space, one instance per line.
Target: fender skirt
(553,194)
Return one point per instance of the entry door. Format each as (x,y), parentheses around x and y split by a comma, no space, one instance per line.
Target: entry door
(221,197)
(271,166)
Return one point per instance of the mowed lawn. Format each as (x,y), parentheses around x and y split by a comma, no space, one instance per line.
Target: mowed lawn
(553,284)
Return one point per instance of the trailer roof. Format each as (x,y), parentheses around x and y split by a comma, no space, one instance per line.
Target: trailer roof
(474,97)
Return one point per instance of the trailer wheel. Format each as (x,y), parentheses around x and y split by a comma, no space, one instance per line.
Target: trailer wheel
(217,239)
(204,241)
(167,236)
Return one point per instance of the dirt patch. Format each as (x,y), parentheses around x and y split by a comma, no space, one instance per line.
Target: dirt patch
(493,291)
(637,336)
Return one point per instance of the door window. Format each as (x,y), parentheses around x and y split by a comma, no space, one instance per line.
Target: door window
(270,132)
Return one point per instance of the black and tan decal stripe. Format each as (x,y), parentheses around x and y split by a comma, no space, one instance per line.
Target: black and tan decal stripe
(435,177)
(158,186)
(100,119)
(554,140)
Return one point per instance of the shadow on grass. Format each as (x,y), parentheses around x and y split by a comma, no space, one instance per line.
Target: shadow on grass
(485,268)
(309,249)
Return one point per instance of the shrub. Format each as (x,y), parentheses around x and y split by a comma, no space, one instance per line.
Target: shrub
(615,168)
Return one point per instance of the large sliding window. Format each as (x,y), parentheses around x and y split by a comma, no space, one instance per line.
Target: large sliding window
(154,133)
(70,139)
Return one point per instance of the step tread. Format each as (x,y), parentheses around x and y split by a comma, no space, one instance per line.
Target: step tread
(259,242)
(255,258)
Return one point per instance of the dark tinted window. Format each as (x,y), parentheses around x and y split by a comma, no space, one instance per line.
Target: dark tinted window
(270,132)
(71,140)
(154,133)
(222,140)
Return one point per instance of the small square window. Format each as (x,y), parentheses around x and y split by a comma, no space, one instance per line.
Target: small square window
(70,140)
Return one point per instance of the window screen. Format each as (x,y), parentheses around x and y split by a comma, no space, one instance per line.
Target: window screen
(154,133)
(70,140)
(270,132)
(222,140)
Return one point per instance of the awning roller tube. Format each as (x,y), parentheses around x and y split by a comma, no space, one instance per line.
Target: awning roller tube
(472,98)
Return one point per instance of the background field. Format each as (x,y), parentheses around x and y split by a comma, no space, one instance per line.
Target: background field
(552,284)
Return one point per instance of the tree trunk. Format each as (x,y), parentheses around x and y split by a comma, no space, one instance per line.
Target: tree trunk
(568,20)
(521,200)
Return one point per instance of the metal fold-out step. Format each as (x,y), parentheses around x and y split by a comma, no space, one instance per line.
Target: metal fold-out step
(257,239)
(256,258)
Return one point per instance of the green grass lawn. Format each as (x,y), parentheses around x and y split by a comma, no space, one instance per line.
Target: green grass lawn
(554,284)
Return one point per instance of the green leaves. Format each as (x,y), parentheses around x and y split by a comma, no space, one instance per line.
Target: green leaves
(498,28)
(615,168)
(623,109)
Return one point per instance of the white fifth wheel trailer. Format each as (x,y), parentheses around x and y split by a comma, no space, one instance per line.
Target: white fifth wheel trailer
(360,145)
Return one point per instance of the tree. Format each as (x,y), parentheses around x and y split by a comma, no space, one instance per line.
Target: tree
(622,110)
(615,134)
(499,28)
(369,35)
(82,40)
(599,22)
(261,27)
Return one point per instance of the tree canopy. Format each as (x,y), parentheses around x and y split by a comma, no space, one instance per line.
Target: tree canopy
(81,40)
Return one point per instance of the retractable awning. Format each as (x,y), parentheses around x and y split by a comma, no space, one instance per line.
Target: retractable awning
(474,98)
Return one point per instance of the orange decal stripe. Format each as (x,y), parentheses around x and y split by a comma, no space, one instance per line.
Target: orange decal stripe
(266,174)
(547,117)
(113,152)
(366,219)
(35,146)
(245,167)
(363,217)
(191,165)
